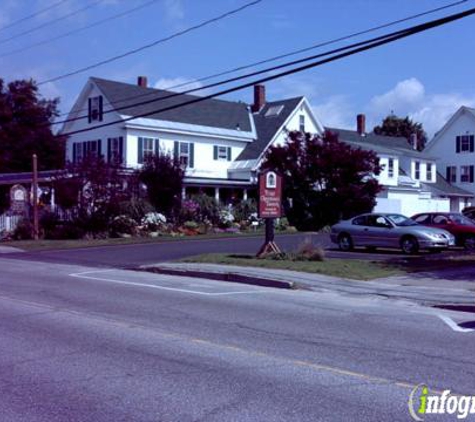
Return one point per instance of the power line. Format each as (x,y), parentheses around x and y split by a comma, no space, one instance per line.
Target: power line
(368,45)
(234,79)
(80,29)
(39,12)
(154,43)
(51,22)
(268,60)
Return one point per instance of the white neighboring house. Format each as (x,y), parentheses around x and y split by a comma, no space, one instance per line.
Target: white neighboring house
(411,180)
(453,145)
(219,142)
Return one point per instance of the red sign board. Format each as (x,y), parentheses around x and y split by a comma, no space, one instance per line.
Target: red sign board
(270,195)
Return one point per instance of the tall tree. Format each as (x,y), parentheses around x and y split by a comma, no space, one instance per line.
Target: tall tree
(25,128)
(402,126)
(324,179)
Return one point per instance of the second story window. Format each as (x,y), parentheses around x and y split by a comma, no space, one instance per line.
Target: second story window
(466,174)
(302,123)
(221,153)
(429,172)
(465,143)
(451,174)
(184,151)
(391,167)
(147,146)
(417,170)
(95,109)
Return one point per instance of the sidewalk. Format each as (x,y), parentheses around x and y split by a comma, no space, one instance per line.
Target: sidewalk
(9,249)
(420,287)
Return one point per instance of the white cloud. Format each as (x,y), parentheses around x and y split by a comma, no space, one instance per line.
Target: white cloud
(175,84)
(335,112)
(409,98)
(174,10)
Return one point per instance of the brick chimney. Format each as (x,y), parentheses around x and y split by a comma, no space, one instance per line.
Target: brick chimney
(259,98)
(361,124)
(142,81)
(414,141)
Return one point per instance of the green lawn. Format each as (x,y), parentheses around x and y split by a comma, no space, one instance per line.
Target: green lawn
(351,268)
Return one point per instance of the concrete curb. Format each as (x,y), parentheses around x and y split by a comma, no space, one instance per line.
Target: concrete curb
(223,276)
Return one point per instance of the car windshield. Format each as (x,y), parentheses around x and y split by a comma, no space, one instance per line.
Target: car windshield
(461,219)
(401,220)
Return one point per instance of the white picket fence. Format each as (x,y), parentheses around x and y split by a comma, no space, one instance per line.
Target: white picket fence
(8,223)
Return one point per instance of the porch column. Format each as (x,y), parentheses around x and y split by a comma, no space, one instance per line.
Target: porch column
(53,200)
(216,195)
(244,194)
(183,193)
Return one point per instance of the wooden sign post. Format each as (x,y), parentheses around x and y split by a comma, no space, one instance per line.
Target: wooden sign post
(270,207)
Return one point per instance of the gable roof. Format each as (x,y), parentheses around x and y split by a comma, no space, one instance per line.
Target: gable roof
(211,112)
(268,126)
(453,118)
(379,143)
(443,188)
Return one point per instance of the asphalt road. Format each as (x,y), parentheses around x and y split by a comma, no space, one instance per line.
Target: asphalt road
(86,344)
(127,256)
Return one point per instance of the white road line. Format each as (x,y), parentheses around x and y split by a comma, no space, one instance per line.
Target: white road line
(153,286)
(452,324)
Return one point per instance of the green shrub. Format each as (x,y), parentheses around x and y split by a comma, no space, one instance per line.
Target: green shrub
(123,224)
(135,208)
(243,210)
(192,225)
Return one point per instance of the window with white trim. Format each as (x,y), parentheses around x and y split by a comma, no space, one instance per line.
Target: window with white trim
(184,153)
(417,170)
(465,174)
(302,123)
(390,168)
(429,172)
(148,146)
(95,108)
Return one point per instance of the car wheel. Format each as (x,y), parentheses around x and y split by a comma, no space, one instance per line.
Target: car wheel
(344,242)
(409,245)
(469,243)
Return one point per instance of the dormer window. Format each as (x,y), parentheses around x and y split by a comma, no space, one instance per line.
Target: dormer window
(95,109)
(429,172)
(417,170)
(302,123)
(390,168)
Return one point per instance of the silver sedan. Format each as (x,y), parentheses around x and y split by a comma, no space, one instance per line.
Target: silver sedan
(389,231)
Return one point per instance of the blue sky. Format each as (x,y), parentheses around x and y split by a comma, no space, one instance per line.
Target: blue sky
(427,76)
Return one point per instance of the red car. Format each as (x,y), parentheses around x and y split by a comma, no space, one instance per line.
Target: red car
(456,223)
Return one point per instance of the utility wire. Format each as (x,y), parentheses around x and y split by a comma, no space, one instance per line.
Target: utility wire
(154,43)
(268,60)
(80,29)
(51,22)
(237,78)
(39,12)
(369,44)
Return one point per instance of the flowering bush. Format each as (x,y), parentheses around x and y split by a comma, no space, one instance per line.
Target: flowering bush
(226,218)
(153,221)
(189,210)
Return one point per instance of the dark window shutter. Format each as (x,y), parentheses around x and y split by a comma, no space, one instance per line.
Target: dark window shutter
(109,150)
(471,143)
(75,152)
(99,147)
(458,141)
(157,146)
(176,146)
(100,108)
(471,174)
(229,153)
(448,175)
(215,152)
(140,151)
(121,150)
(191,161)
(89,108)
